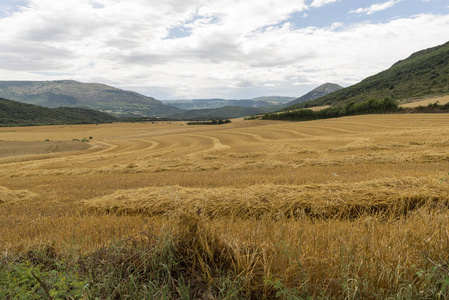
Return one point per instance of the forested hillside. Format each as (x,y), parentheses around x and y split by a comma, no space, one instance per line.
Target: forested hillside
(14,113)
(424,73)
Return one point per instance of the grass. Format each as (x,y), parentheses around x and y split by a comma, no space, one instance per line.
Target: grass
(346,208)
(366,258)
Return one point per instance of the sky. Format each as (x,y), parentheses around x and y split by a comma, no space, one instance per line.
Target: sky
(196,49)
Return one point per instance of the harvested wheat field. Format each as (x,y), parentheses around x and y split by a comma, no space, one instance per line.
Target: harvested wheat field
(425,102)
(9,149)
(355,207)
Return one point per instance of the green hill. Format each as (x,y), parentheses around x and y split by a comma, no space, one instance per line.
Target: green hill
(71,93)
(424,73)
(14,113)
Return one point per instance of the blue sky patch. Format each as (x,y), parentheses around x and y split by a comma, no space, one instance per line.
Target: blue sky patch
(8,7)
(344,12)
(185,30)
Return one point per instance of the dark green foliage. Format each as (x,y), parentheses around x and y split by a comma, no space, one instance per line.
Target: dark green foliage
(371,106)
(34,281)
(144,119)
(212,122)
(433,108)
(20,114)
(424,73)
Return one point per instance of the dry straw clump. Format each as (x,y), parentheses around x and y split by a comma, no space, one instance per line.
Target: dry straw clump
(383,198)
(10,196)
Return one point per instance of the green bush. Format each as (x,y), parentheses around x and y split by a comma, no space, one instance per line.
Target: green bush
(26,281)
(212,122)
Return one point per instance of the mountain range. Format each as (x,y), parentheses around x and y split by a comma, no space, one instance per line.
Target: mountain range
(217,103)
(234,111)
(121,103)
(70,93)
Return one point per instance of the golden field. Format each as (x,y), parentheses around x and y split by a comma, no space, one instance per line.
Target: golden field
(342,207)
(425,102)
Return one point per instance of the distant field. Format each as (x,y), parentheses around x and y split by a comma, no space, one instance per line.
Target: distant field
(441,100)
(338,207)
(16,148)
(316,108)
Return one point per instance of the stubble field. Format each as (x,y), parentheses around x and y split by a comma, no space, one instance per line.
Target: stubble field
(349,207)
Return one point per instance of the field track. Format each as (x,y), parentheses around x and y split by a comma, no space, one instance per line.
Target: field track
(425,102)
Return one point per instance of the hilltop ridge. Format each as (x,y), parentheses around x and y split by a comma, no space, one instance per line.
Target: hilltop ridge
(318,92)
(97,96)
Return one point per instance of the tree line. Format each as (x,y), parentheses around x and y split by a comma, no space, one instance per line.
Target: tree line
(212,122)
(371,106)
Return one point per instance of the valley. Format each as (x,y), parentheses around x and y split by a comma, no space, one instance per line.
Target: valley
(230,150)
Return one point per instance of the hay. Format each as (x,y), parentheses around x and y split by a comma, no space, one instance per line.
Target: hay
(9,196)
(386,197)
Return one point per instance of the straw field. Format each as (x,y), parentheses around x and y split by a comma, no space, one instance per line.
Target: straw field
(354,207)
(425,102)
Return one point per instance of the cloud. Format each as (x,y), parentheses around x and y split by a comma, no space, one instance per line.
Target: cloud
(319,3)
(375,7)
(232,48)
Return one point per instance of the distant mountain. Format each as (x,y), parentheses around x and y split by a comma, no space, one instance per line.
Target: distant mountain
(318,92)
(240,111)
(91,95)
(424,73)
(217,103)
(274,99)
(226,112)
(14,113)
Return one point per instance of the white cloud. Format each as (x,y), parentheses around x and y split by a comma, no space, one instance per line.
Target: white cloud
(319,3)
(232,49)
(375,7)
(336,25)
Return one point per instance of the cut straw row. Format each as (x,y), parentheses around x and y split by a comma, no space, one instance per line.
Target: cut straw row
(387,198)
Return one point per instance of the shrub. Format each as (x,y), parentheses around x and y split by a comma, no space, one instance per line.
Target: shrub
(27,281)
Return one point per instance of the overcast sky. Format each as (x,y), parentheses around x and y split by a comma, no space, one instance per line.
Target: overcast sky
(234,49)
